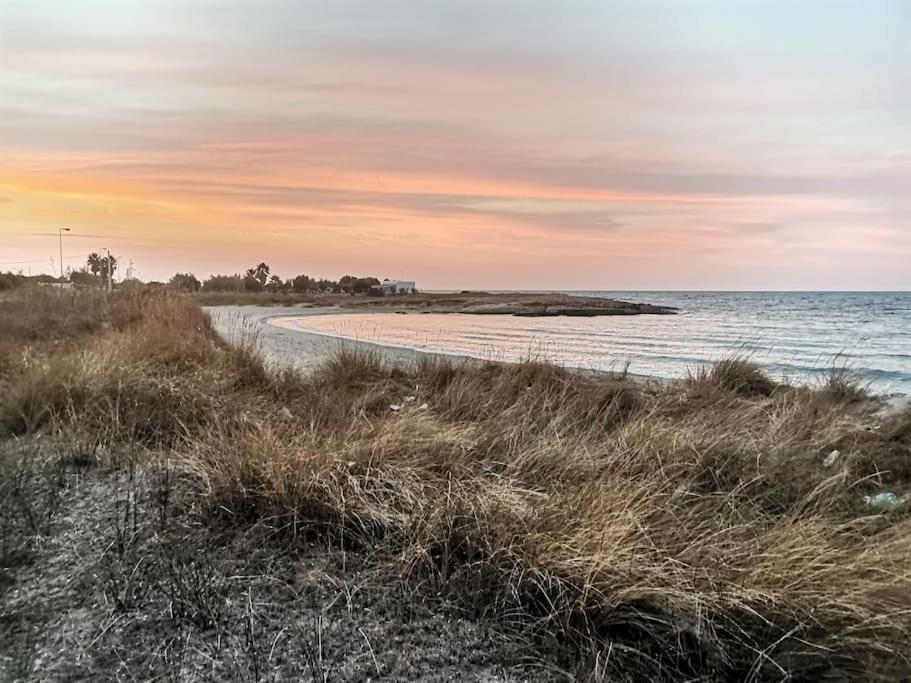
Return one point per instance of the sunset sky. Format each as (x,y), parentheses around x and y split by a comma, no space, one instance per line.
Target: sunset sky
(579,145)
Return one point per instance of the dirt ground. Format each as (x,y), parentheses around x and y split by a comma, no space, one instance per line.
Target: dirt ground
(112,573)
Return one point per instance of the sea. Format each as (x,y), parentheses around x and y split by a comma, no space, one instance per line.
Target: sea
(797,337)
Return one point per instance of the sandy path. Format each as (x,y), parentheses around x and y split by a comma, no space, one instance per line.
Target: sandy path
(295,347)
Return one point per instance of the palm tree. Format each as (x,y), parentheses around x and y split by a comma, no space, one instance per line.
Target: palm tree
(261,272)
(99,264)
(95,263)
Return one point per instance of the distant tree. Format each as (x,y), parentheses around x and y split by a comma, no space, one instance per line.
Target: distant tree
(252,284)
(83,278)
(302,284)
(223,283)
(260,273)
(98,265)
(94,263)
(363,285)
(184,282)
(11,281)
(275,285)
(356,285)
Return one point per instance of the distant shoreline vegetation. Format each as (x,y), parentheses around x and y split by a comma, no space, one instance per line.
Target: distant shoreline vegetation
(257,279)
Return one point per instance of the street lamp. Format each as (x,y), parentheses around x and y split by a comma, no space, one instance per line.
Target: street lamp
(60,232)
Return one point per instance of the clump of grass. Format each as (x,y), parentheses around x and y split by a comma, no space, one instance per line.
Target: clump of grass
(686,531)
(739,376)
(351,368)
(840,385)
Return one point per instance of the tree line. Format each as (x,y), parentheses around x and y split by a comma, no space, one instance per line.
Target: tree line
(94,272)
(259,278)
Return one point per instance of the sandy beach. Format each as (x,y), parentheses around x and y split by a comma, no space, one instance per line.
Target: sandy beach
(298,348)
(294,347)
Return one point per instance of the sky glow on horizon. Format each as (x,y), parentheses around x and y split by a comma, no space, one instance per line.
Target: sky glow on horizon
(501,144)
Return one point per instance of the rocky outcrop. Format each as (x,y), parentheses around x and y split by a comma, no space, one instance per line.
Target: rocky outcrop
(518,304)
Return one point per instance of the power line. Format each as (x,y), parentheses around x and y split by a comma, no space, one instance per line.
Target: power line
(18,263)
(72,235)
(40,260)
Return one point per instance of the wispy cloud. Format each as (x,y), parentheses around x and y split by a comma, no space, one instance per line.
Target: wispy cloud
(587,127)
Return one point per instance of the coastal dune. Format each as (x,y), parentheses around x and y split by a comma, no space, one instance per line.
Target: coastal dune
(724,527)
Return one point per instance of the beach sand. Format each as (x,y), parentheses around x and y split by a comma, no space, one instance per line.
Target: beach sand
(297,348)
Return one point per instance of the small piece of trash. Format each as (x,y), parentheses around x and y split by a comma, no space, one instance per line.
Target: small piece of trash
(286,414)
(409,399)
(882,501)
(395,407)
(831,458)
(423,406)
(351,463)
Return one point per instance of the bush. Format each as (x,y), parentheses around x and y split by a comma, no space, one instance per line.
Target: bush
(10,281)
(223,283)
(251,284)
(184,282)
(81,278)
(302,284)
(740,376)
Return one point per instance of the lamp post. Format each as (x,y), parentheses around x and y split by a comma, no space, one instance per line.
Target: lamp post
(60,233)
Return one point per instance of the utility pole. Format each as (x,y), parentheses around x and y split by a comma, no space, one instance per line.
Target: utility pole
(60,234)
(108,262)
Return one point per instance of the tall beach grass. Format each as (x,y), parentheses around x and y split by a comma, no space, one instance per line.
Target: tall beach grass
(682,531)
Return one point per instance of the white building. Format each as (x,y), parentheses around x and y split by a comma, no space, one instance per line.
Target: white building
(399,287)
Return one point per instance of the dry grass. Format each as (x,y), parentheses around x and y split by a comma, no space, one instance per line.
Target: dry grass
(738,375)
(686,531)
(255,299)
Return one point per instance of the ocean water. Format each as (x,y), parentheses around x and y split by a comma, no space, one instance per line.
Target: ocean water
(798,337)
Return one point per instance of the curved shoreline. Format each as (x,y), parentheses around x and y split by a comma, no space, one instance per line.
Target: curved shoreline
(304,349)
(298,347)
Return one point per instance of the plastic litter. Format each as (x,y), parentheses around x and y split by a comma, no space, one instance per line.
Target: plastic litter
(882,501)
(409,399)
(395,407)
(831,459)
(286,414)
